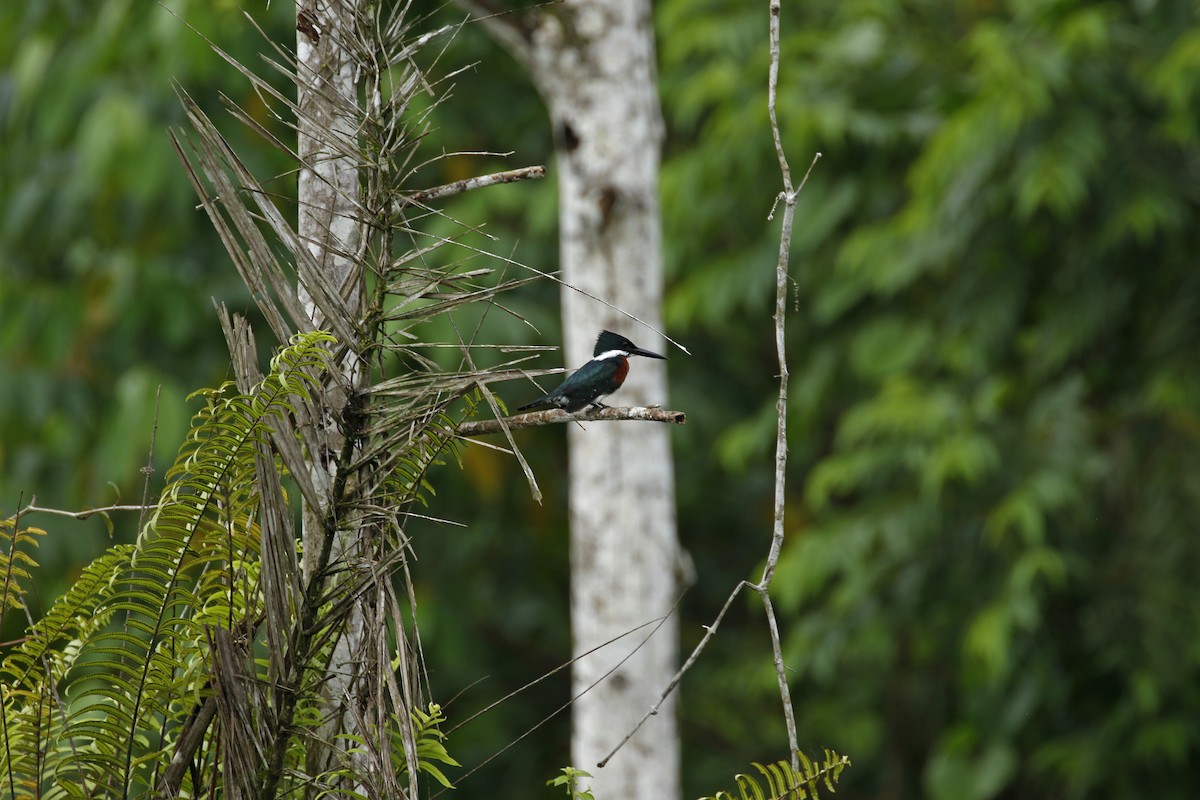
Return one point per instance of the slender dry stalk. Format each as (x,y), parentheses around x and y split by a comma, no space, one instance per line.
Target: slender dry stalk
(788,196)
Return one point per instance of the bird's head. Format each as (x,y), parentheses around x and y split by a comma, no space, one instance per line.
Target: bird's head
(609,345)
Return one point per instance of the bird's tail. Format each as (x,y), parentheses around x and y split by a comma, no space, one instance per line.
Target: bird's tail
(541,401)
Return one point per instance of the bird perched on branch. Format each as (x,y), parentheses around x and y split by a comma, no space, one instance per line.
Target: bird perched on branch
(596,379)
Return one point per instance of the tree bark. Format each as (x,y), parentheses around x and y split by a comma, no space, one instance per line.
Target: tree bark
(594,65)
(328,222)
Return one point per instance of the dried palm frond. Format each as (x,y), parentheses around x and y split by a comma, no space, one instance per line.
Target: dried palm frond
(230,647)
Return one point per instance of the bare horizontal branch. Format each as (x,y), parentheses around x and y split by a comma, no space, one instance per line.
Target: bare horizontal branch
(87,512)
(467,184)
(557,415)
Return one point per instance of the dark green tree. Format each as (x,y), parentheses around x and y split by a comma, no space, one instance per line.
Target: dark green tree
(996,398)
(107,270)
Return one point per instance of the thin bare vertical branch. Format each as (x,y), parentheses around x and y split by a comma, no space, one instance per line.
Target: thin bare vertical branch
(788,195)
(772,93)
(148,470)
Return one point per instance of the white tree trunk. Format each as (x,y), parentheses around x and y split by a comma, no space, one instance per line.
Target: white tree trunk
(594,65)
(327,186)
(328,192)
(623,549)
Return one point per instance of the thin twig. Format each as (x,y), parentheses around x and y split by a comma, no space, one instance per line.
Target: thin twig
(35,509)
(709,632)
(557,415)
(658,623)
(772,93)
(554,277)
(494,405)
(551,673)
(148,470)
(466,185)
(781,287)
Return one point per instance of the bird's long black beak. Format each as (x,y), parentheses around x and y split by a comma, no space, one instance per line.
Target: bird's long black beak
(637,351)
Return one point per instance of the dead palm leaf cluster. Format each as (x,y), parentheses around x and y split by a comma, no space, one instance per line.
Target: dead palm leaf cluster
(231,651)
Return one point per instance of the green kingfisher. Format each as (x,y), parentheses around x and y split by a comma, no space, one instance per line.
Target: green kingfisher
(596,379)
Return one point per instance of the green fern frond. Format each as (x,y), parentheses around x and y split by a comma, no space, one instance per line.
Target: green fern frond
(52,644)
(15,562)
(95,705)
(431,747)
(30,674)
(211,492)
(785,783)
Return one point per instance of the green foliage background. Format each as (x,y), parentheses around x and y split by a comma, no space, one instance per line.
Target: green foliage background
(987,589)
